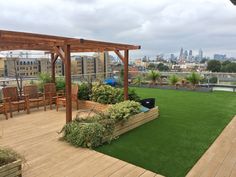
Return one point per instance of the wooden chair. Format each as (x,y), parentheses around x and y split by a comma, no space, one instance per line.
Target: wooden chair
(50,93)
(74,97)
(34,95)
(3,110)
(12,98)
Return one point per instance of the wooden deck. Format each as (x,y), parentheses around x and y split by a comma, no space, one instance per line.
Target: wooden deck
(35,137)
(220,159)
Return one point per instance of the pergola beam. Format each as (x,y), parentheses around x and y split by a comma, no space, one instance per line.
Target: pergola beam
(62,47)
(126,72)
(120,55)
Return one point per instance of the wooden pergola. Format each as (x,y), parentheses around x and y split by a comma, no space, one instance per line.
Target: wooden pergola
(63,47)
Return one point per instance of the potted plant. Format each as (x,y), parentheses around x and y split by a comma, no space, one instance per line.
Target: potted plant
(10,163)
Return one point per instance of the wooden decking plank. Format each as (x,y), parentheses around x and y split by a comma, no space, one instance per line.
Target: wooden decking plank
(219,159)
(35,137)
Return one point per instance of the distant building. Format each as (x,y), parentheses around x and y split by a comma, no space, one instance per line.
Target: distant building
(200,55)
(172,57)
(190,56)
(99,63)
(181,55)
(219,57)
(29,67)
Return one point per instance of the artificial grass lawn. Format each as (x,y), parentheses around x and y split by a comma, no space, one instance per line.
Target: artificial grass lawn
(189,123)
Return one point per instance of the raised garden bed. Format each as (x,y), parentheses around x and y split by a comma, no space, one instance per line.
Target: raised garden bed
(136,121)
(12,169)
(85,104)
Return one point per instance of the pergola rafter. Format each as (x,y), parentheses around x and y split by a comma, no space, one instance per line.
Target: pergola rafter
(63,47)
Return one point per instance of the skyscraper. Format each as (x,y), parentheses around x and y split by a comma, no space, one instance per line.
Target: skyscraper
(200,55)
(190,55)
(181,54)
(185,57)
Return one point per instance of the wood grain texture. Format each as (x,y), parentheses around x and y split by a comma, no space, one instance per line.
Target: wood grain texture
(220,159)
(35,137)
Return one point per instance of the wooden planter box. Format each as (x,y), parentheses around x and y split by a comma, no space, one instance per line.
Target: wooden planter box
(134,122)
(85,104)
(11,170)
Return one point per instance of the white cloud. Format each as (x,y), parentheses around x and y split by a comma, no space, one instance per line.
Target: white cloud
(161,26)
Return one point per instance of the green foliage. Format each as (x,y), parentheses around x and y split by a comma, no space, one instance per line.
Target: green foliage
(162,67)
(84,134)
(133,96)
(229,67)
(85,90)
(60,83)
(8,156)
(122,111)
(153,76)
(214,66)
(173,79)
(152,66)
(194,78)
(213,80)
(43,79)
(106,94)
(138,80)
(91,131)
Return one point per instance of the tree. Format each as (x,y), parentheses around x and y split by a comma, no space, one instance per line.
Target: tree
(214,66)
(173,80)
(194,79)
(151,66)
(162,67)
(154,76)
(138,80)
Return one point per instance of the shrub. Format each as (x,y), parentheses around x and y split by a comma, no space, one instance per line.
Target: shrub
(85,90)
(138,80)
(122,111)
(173,79)
(106,94)
(8,156)
(84,134)
(153,76)
(43,79)
(194,79)
(91,131)
(133,96)
(60,84)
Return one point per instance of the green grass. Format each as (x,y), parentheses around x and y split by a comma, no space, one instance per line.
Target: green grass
(189,123)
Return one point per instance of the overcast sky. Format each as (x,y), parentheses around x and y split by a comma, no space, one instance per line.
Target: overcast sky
(159,26)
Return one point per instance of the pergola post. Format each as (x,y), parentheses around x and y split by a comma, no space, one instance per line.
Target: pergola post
(126,71)
(68,84)
(53,67)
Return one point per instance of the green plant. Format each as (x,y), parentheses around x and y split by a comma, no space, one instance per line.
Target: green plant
(122,111)
(85,90)
(8,156)
(60,83)
(91,131)
(84,134)
(133,96)
(43,78)
(153,76)
(194,79)
(173,79)
(138,80)
(106,94)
